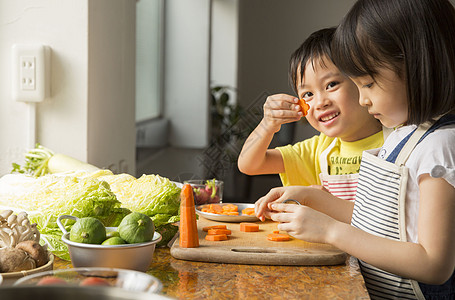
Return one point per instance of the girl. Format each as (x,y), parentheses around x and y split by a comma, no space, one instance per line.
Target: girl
(401,56)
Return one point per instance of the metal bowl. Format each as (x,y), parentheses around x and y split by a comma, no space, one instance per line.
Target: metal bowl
(127,256)
(128,280)
(74,293)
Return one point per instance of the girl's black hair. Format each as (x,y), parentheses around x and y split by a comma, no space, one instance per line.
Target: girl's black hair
(414,38)
(316,46)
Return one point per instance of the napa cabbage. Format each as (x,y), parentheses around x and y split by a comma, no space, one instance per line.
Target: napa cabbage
(152,195)
(50,196)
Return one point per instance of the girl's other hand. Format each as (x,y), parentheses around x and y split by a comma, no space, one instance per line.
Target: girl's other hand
(281,109)
(302,222)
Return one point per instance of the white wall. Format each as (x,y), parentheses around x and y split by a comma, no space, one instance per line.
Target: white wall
(224,43)
(270,31)
(90,112)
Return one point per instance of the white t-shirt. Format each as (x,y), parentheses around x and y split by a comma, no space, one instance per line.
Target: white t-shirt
(434,155)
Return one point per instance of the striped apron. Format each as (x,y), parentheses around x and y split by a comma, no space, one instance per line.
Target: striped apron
(342,186)
(379,209)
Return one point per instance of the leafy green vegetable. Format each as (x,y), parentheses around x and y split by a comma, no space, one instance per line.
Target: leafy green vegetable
(36,161)
(152,195)
(167,232)
(41,161)
(102,195)
(48,197)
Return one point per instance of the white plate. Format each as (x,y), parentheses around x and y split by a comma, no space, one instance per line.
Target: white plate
(226,218)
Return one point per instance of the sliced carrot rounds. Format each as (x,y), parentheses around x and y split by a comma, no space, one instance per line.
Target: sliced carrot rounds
(219,231)
(214,227)
(278,237)
(248,211)
(213,209)
(249,227)
(216,237)
(227,209)
(230,207)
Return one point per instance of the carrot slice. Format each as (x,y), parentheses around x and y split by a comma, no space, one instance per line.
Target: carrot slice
(188,226)
(276,231)
(230,213)
(304,106)
(214,227)
(230,207)
(219,231)
(278,237)
(249,227)
(216,237)
(248,211)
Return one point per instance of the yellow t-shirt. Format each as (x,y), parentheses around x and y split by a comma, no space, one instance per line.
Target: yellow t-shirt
(301,160)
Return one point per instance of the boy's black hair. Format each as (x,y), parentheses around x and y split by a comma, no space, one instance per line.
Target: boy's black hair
(316,46)
(413,38)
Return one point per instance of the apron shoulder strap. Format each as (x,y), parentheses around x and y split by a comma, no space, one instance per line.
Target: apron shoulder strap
(405,147)
(323,157)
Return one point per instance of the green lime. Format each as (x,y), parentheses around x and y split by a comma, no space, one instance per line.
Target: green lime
(115,240)
(136,228)
(112,234)
(88,230)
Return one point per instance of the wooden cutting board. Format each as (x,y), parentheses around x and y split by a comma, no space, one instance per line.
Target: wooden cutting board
(254,248)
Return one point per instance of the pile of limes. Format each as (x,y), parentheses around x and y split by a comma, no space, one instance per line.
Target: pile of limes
(134,228)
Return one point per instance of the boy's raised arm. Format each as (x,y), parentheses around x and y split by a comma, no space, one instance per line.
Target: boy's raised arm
(255,157)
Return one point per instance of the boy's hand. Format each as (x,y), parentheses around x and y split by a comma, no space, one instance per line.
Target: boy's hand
(281,109)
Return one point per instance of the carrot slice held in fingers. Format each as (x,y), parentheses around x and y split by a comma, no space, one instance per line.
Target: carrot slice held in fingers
(304,107)
(188,226)
(278,237)
(216,237)
(249,227)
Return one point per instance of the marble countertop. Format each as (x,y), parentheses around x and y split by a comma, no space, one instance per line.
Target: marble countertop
(197,280)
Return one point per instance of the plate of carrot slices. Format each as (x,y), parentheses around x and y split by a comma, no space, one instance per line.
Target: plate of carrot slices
(227,212)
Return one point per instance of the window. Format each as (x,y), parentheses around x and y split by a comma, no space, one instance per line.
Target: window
(149,45)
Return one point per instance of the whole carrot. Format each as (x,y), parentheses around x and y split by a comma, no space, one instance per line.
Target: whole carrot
(188,227)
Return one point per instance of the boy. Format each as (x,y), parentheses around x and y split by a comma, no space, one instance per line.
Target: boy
(332,158)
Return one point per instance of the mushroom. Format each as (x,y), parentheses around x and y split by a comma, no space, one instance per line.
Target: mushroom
(15,229)
(35,250)
(15,260)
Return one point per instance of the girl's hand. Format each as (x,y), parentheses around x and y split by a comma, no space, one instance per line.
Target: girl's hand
(302,222)
(280,109)
(262,206)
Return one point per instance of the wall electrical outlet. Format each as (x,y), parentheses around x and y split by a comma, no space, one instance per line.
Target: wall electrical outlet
(27,74)
(30,70)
